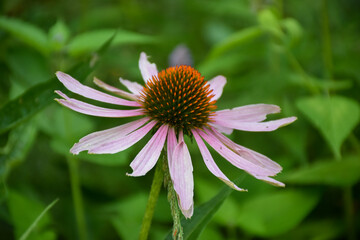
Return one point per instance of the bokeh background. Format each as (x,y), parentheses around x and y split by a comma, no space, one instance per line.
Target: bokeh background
(301,55)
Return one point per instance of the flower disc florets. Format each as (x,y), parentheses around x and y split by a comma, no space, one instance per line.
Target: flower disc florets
(179,97)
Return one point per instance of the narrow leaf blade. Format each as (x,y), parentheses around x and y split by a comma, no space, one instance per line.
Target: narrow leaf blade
(203,214)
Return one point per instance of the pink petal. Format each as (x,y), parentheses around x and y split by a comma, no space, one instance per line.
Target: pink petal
(270,181)
(92,110)
(118,144)
(148,156)
(217,85)
(147,69)
(210,163)
(254,126)
(171,144)
(133,87)
(248,154)
(114,90)
(85,91)
(182,176)
(233,157)
(222,129)
(248,113)
(100,138)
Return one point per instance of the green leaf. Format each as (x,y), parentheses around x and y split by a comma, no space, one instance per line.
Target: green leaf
(26,32)
(90,41)
(58,35)
(28,66)
(333,173)
(26,105)
(41,95)
(293,29)
(20,141)
(270,22)
(236,39)
(335,117)
(203,214)
(276,213)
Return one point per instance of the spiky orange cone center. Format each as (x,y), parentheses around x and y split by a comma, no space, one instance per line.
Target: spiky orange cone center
(180,97)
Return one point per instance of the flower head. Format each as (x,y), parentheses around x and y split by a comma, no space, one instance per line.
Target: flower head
(175,102)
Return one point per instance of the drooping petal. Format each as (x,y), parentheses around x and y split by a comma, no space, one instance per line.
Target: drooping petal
(121,143)
(147,69)
(92,110)
(133,87)
(210,163)
(255,126)
(76,87)
(171,144)
(99,138)
(182,177)
(249,154)
(233,157)
(248,113)
(270,181)
(217,85)
(115,90)
(148,156)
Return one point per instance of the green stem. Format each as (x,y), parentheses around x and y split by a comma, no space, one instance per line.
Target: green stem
(150,207)
(172,198)
(327,55)
(349,212)
(77,197)
(73,165)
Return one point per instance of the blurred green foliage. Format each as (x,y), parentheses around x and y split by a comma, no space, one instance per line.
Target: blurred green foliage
(301,55)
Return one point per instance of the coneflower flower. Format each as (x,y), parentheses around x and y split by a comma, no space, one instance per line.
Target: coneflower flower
(175,102)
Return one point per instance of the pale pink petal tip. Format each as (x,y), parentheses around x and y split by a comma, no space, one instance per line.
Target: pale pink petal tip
(248,113)
(116,137)
(147,69)
(182,176)
(115,90)
(254,126)
(133,87)
(76,87)
(188,212)
(92,110)
(217,85)
(61,94)
(270,181)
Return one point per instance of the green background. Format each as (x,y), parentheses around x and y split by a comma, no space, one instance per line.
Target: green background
(301,55)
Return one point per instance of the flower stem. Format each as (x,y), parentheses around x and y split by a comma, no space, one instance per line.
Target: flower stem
(150,207)
(172,198)
(77,197)
(349,212)
(327,55)
(73,165)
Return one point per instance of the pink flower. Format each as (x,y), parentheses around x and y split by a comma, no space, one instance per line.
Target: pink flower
(174,102)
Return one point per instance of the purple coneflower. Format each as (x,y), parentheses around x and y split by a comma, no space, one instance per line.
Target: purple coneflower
(175,102)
